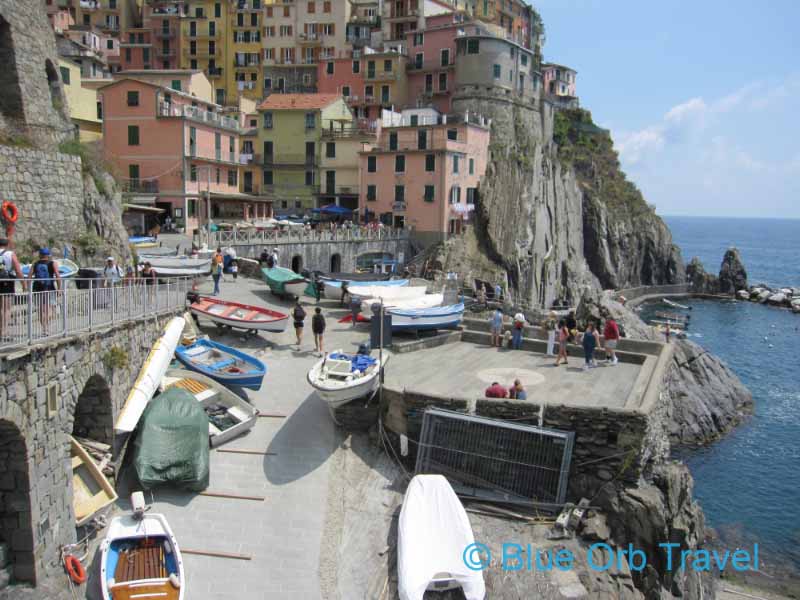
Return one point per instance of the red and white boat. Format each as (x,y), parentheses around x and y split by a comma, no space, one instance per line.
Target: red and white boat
(240,316)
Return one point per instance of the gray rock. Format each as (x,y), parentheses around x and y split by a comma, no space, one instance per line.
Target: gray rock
(732,274)
(700,281)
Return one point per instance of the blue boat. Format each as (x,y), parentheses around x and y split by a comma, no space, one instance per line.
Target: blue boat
(66,268)
(141,239)
(223,364)
(419,319)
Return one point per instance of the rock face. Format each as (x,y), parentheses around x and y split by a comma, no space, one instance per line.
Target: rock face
(732,274)
(700,281)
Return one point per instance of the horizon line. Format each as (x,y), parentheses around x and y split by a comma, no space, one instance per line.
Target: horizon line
(731,217)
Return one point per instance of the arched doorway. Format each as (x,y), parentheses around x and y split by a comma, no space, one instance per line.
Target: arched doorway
(336,263)
(15,503)
(11,98)
(297,263)
(93,415)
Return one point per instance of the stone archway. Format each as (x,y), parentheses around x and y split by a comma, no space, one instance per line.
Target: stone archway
(93,416)
(297,263)
(11,105)
(16,529)
(336,263)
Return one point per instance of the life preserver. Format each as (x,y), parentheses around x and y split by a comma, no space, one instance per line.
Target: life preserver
(75,569)
(10,212)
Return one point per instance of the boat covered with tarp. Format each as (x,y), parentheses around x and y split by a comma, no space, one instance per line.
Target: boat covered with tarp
(284,282)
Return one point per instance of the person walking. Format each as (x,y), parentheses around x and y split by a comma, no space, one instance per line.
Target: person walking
(563,338)
(516,333)
(318,329)
(611,337)
(667,333)
(10,271)
(497,327)
(589,345)
(355,308)
(551,328)
(217,263)
(299,317)
(275,256)
(46,282)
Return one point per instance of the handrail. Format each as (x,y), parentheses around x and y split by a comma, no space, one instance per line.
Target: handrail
(245,237)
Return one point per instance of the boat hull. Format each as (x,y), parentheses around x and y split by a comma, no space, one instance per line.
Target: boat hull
(284,282)
(421,320)
(86,503)
(333,287)
(277,324)
(335,395)
(251,379)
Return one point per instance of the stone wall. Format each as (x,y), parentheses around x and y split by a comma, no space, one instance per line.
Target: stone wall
(46,394)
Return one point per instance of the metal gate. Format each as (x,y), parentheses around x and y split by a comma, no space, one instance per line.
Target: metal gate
(495,459)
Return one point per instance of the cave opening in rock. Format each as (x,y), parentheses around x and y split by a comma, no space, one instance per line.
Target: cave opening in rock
(16,528)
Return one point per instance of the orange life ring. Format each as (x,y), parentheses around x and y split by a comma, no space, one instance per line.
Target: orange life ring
(10,212)
(75,569)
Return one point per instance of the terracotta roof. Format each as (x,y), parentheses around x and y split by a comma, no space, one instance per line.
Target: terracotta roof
(298,101)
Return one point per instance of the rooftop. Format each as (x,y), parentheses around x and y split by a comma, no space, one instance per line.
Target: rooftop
(298,101)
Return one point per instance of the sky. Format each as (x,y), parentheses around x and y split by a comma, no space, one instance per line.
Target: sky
(702,97)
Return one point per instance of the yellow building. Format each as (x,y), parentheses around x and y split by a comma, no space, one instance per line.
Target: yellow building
(339,178)
(84,108)
(289,146)
(204,33)
(112,16)
(243,75)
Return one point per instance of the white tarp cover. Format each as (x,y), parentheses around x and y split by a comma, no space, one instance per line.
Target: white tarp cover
(433,532)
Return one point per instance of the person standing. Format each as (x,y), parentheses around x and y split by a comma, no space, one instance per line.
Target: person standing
(563,338)
(275,256)
(10,270)
(667,333)
(235,268)
(572,326)
(355,308)
(589,345)
(611,337)
(498,293)
(299,317)
(497,327)
(112,274)
(551,328)
(519,326)
(46,281)
(482,295)
(216,270)
(318,329)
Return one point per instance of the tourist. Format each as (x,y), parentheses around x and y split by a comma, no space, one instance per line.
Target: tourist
(497,327)
(355,308)
(318,329)
(275,256)
(130,276)
(112,274)
(517,330)
(498,292)
(10,269)
(551,327)
(235,268)
(319,289)
(517,391)
(168,223)
(667,332)
(496,391)
(46,281)
(611,337)
(264,258)
(508,338)
(589,345)
(572,326)
(216,270)
(563,338)
(482,295)
(148,274)
(299,316)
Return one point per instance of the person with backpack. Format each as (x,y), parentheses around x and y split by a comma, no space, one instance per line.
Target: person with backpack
(46,281)
(10,271)
(318,329)
(299,316)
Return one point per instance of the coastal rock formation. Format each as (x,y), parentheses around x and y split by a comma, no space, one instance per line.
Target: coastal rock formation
(732,274)
(699,281)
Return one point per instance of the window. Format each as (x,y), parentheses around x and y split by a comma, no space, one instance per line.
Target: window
(268,83)
(472,193)
(311,120)
(419,58)
(218,175)
(267,120)
(312,8)
(418,39)
(145,55)
(369,91)
(429,192)
(430,163)
(109,44)
(497,71)
(400,164)
(452,134)
(329,68)
(393,141)
(193,29)
(191,209)
(100,111)
(372,193)
(372,164)
(193,173)
(346,91)
(233,177)
(133,173)
(133,98)
(445,57)
(385,94)
(309,177)
(330,150)
(428,83)
(268,151)
(442,82)
(268,179)
(133,135)
(472,166)
(193,64)
(422,139)
(217,10)
(127,55)
(212,28)
(356,66)
(326,6)
(414,120)
(286,12)
(64,75)
(524,59)
(399,193)
(473,46)
(455,164)
(176,85)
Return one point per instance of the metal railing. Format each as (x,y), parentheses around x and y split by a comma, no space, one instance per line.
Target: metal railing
(245,237)
(141,186)
(83,305)
(168,109)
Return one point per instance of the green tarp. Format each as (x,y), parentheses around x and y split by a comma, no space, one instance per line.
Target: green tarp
(172,445)
(277,277)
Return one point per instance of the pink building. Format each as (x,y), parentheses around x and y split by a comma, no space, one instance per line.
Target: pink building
(162,18)
(175,151)
(136,50)
(423,172)
(559,82)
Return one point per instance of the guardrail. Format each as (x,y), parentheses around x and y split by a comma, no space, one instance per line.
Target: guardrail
(247,237)
(83,305)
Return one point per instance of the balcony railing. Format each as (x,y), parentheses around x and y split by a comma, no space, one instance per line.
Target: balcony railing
(431,65)
(339,190)
(165,52)
(380,76)
(167,109)
(165,34)
(141,186)
(290,160)
(310,38)
(89,5)
(404,14)
(246,85)
(367,128)
(249,236)
(214,72)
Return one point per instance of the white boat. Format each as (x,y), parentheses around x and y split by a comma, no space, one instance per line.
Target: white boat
(418,303)
(333,287)
(91,491)
(178,265)
(229,416)
(433,536)
(140,558)
(340,377)
(674,304)
(388,293)
(153,370)
(418,319)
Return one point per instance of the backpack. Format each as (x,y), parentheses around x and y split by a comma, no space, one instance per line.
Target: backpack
(298,313)
(44,271)
(6,271)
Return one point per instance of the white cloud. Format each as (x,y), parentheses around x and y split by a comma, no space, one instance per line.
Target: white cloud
(689,110)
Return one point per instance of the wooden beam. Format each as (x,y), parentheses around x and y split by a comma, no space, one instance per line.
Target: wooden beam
(270,416)
(236,451)
(216,554)
(232,496)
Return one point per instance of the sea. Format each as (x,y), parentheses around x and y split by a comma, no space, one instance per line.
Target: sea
(749,482)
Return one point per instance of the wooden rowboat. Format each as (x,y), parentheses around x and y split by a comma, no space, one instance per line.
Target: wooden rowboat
(223,364)
(91,491)
(240,316)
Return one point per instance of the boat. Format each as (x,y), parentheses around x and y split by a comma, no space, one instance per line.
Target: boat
(66,268)
(675,304)
(673,324)
(433,536)
(333,287)
(91,491)
(178,265)
(672,316)
(155,365)
(284,281)
(140,558)
(229,416)
(387,293)
(157,252)
(418,303)
(223,364)
(340,377)
(140,240)
(420,319)
(239,316)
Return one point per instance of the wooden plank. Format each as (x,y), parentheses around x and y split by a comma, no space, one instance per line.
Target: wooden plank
(232,496)
(216,554)
(269,416)
(236,451)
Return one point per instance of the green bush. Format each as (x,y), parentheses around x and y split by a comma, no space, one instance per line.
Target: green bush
(115,358)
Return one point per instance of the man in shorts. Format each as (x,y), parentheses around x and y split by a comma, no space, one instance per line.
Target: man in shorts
(611,336)
(10,271)
(497,327)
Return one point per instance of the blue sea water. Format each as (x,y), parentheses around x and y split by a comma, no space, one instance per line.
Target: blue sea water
(749,482)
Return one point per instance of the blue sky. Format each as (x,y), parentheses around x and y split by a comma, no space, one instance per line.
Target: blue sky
(701,97)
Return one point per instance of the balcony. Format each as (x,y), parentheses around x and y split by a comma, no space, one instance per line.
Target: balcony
(246,85)
(248,158)
(247,64)
(290,160)
(403,15)
(244,6)
(164,34)
(362,129)
(430,65)
(380,76)
(338,190)
(201,52)
(214,72)
(89,5)
(167,109)
(205,35)
(164,52)
(364,20)
(140,186)
(309,39)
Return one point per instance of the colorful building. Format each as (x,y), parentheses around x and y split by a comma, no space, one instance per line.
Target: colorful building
(559,84)
(163,19)
(514,17)
(363,23)
(342,144)
(423,173)
(174,149)
(288,146)
(91,61)
(84,108)
(112,16)
(204,32)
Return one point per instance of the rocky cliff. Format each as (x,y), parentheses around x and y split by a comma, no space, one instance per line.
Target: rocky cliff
(732,275)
